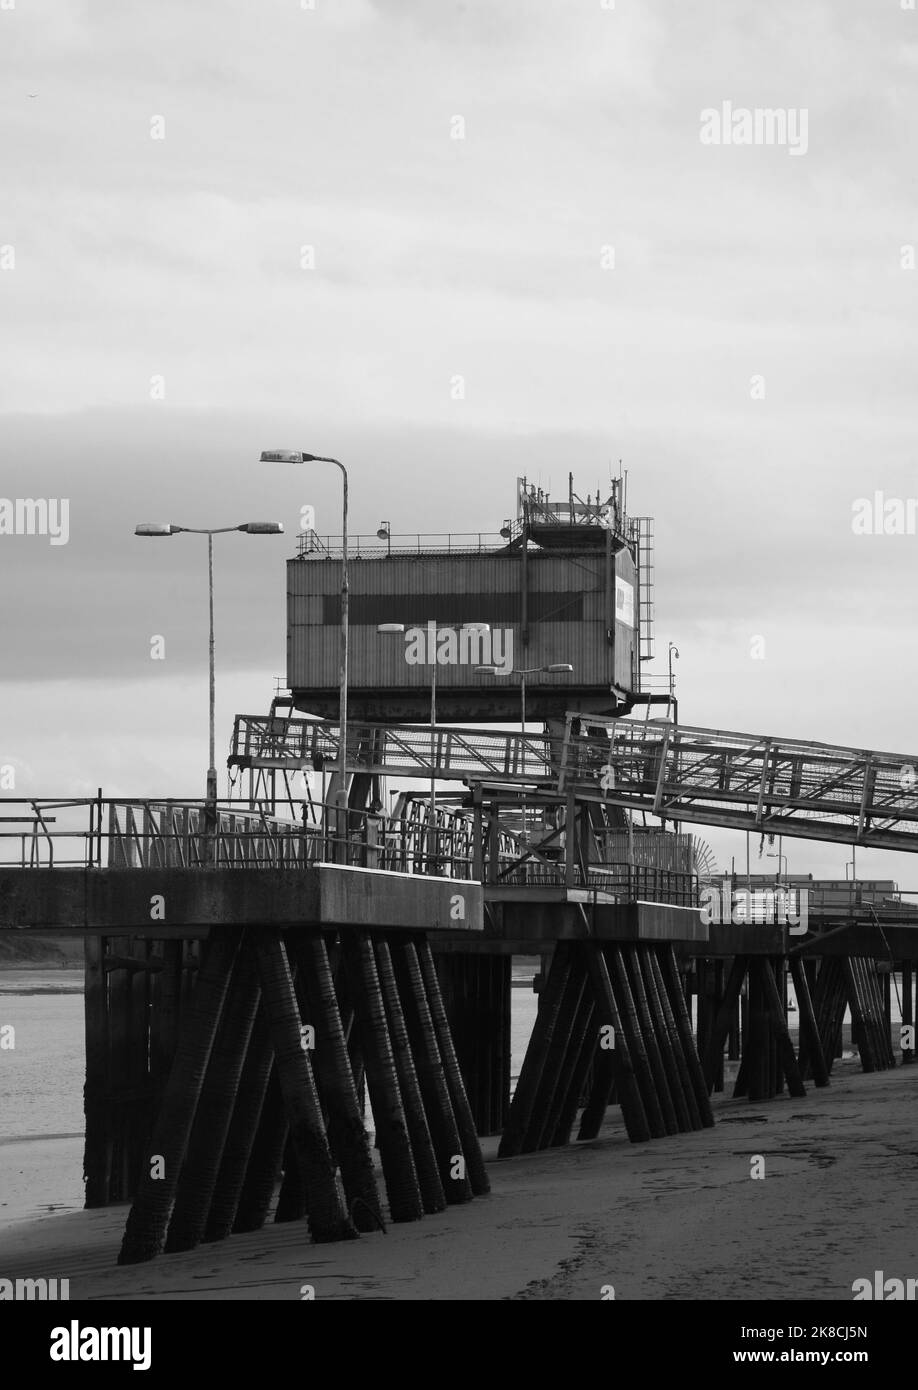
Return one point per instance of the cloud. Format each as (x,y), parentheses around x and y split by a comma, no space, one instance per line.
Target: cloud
(436,258)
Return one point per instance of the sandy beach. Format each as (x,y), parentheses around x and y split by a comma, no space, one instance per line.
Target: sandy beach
(675,1219)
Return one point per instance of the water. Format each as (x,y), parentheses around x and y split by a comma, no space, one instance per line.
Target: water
(523,1008)
(41,1092)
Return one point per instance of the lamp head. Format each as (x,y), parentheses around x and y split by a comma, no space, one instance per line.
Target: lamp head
(154,528)
(263,528)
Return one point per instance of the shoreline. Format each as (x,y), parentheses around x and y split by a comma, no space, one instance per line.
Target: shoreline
(677,1218)
(26,977)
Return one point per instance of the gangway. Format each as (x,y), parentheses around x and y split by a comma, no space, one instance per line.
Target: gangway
(772,785)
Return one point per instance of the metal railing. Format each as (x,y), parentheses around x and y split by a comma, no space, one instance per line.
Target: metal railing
(414,750)
(786,786)
(456,843)
(155,834)
(624,882)
(411,749)
(95,833)
(311,545)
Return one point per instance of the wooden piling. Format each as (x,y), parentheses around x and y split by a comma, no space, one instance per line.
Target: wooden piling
(465,1123)
(244,1126)
(425,1159)
(724,1020)
(347,1135)
(669,970)
(523,1103)
(608,1014)
(545,1113)
(198,1178)
(652,1028)
(266,1157)
(757,1041)
(291,1200)
(97,1152)
(570,1054)
(599,1098)
(719,975)
(326,1215)
(908,1017)
(810,1046)
(786,1054)
(687,1112)
(398,1164)
(636,1043)
(573,1075)
(438,1107)
(145,1231)
(858,1006)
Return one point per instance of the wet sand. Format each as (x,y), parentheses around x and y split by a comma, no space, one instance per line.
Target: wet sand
(678,1218)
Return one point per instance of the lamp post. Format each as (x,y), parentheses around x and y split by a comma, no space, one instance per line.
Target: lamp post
(554,668)
(397,630)
(673,652)
(252,528)
(782,859)
(295,456)
(852,864)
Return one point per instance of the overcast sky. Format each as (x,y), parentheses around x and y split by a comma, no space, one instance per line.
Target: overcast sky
(161,324)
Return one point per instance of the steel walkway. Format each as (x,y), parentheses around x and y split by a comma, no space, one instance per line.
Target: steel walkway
(772,785)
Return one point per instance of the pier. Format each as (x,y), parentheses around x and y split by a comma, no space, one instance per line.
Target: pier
(273,978)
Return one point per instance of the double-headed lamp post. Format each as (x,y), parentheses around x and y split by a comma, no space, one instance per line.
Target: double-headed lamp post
(251,528)
(296,456)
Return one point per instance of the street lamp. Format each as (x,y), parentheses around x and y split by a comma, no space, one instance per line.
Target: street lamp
(782,859)
(295,456)
(398,630)
(384,533)
(673,652)
(554,668)
(252,528)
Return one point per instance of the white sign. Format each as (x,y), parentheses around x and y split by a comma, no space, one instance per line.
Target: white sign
(624,602)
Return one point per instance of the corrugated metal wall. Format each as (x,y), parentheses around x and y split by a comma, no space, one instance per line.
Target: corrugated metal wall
(570,604)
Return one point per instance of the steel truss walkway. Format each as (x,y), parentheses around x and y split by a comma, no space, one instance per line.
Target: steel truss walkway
(771,785)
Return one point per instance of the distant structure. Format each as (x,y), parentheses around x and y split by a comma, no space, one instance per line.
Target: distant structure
(562,582)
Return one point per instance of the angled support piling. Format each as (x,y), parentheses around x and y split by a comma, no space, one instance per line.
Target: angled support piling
(326,1215)
(145,1231)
